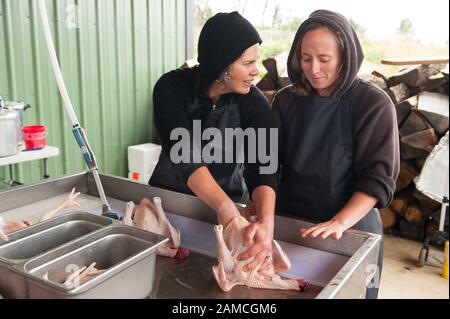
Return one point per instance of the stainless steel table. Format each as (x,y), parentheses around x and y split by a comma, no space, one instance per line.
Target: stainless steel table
(193,278)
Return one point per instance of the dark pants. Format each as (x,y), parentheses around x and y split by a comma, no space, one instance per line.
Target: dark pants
(372,223)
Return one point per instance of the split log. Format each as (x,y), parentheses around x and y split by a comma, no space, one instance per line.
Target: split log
(419,162)
(399,205)
(430,85)
(438,122)
(416,75)
(413,214)
(410,230)
(434,107)
(443,89)
(380,75)
(398,93)
(427,205)
(413,100)
(424,140)
(414,123)
(378,81)
(403,109)
(408,152)
(388,217)
(266,84)
(406,176)
(276,67)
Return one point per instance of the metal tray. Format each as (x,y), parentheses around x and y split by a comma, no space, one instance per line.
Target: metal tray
(127,254)
(39,238)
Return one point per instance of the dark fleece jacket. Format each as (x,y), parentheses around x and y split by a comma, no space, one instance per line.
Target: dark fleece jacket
(374,124)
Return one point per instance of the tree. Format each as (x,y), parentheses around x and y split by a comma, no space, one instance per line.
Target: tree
(202,12)
(242,6)
(359,29)
(406,27)
(276,18)
(293,24)
(266,4)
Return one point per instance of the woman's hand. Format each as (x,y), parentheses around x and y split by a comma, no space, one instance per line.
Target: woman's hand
(355,209)
(333,228)
(262,234)
(260,212)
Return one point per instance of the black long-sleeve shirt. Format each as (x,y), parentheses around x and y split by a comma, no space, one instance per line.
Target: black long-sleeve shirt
(176,90)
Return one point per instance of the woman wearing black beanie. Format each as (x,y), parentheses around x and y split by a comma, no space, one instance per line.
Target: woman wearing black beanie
(218,95)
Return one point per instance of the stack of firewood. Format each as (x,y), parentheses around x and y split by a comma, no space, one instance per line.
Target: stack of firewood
(420,94)
(276,76)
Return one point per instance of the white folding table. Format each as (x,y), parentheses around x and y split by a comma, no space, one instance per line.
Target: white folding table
(25,156)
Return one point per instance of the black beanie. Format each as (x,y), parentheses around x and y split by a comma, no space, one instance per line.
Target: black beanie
(222,41)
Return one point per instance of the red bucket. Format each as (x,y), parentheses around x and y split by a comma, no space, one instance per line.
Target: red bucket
(34,136)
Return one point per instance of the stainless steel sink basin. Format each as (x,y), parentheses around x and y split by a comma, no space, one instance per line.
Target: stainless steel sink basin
(125,253)
(38,239)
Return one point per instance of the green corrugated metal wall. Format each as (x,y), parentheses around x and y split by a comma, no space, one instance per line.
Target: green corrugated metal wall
(110,64)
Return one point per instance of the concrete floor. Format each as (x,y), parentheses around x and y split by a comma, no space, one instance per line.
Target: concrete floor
(402,278)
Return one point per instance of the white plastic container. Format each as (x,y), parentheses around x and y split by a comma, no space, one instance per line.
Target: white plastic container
(138,177)
(142,158)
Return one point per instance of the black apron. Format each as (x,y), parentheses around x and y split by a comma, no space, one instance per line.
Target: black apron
(317,175)
(229,176)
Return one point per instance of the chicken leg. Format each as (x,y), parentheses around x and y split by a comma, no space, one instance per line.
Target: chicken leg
(68,202)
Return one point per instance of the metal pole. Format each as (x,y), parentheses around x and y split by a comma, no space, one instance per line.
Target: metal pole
(444,205)
(46,168)
(11,173)
(77,130)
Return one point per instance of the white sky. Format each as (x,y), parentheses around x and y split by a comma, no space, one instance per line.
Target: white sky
(380,18)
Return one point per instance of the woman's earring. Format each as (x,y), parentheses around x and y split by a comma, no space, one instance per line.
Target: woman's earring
(227,76)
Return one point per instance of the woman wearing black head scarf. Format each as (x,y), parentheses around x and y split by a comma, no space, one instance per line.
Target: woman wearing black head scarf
(338,134)
(219,95)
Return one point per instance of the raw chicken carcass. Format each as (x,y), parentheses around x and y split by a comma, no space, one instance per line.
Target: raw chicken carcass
(2,232)
(80,276)
(229,272)
(150,216)
(12,226)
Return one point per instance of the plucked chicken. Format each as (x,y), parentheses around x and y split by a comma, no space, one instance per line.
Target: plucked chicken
(229,272)
(150,216)
(12,226)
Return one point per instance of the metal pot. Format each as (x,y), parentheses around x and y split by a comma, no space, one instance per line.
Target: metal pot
(9,131)
(18,107)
